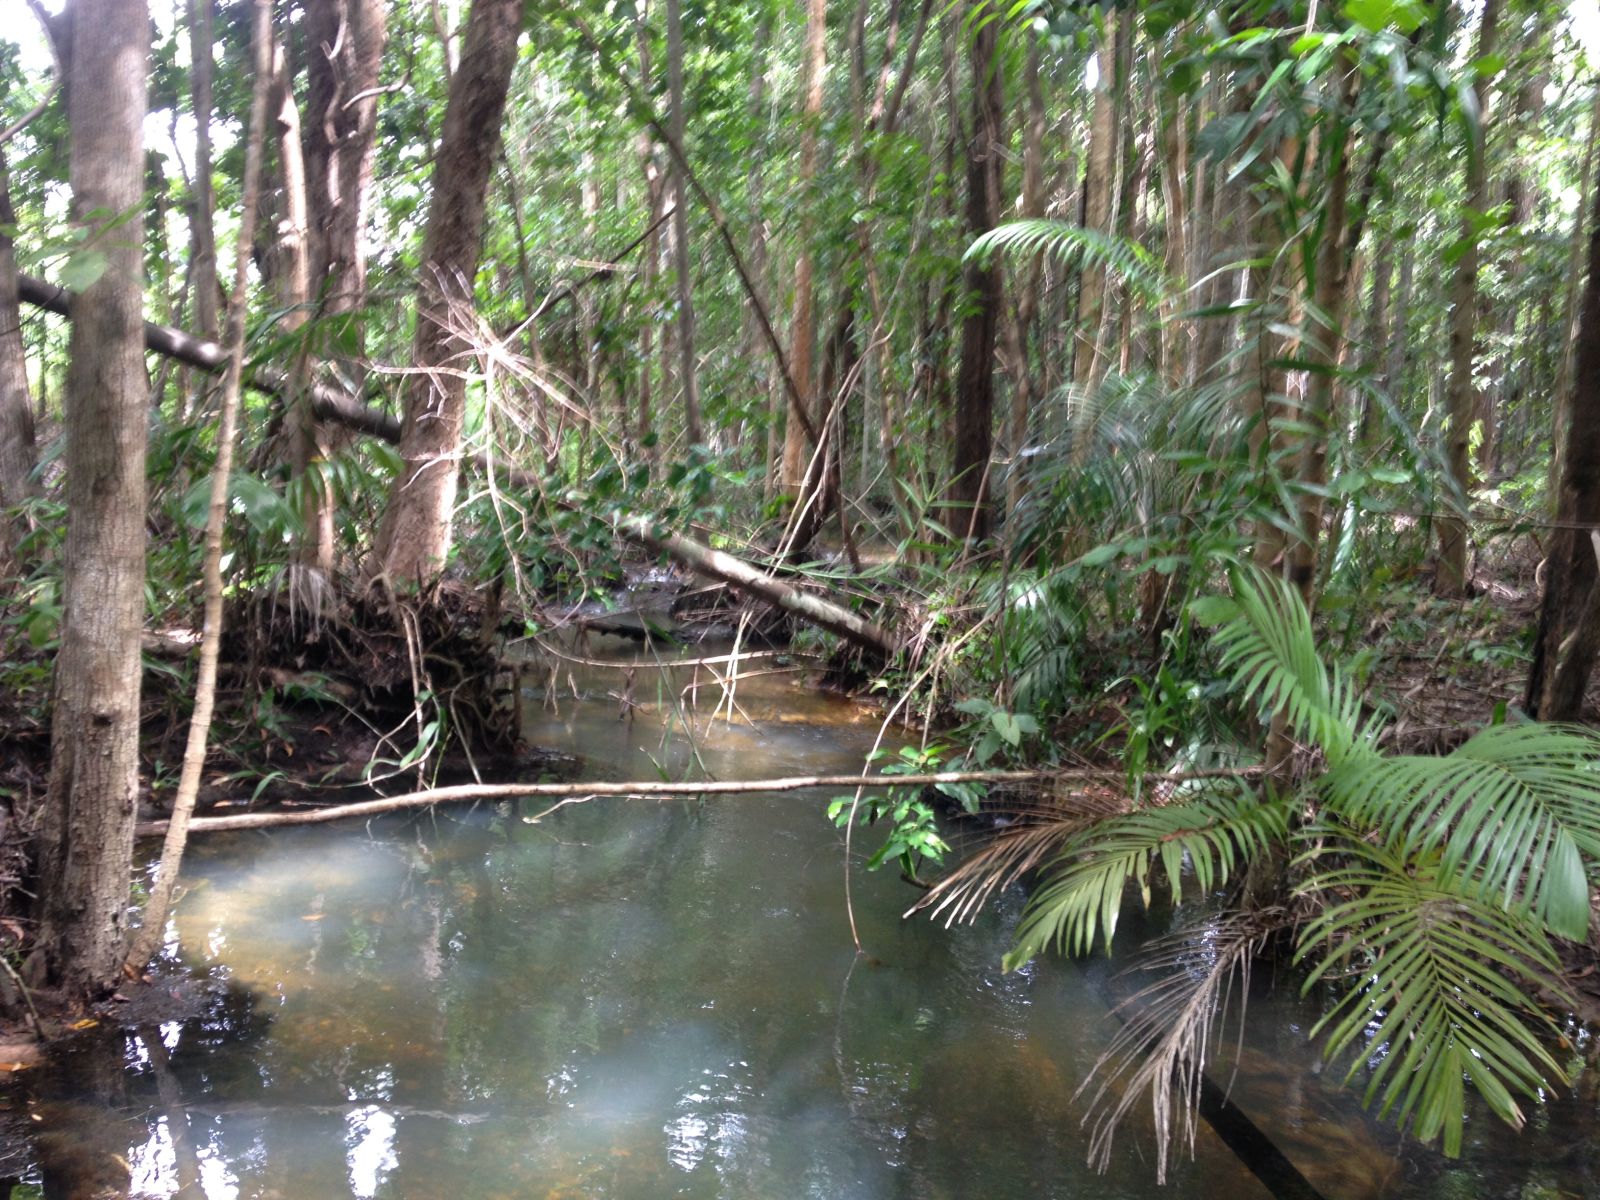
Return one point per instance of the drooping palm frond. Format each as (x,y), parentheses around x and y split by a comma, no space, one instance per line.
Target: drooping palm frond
(1169,1029)
(1211,834)
(1073,244)
(1011,855)
(1514,811)
(1445,981)
(1265,638)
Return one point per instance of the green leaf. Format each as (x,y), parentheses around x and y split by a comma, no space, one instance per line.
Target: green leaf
(83,268)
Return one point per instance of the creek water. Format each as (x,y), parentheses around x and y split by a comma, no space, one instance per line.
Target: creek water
(636,1000)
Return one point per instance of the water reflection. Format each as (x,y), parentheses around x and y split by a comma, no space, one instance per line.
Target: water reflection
(637,1001)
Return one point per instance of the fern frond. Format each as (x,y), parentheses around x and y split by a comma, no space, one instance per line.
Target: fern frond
(1515,810)
(1210,834)
(1444,997)
(1072,244)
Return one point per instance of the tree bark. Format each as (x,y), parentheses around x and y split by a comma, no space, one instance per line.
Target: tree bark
(346,40)
(86,837)
(1564,649)
(1570,310)
(973,428)
(291,252)
(18,455)
(687,367)
(418,523)
(151,931)
(1462,400)
(1097,197)
(202,229)
(803,343)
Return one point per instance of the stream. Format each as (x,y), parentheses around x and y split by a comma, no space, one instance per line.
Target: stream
(638,999)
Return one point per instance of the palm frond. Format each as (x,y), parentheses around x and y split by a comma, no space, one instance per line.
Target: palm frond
(1072,244)
(1265,638)
(1444,997)
(1014,852)
(1164,1045)
(1210,834)
(1514,809)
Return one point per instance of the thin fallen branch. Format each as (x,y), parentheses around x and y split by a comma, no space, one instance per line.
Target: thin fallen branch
(569,793)
(327,403)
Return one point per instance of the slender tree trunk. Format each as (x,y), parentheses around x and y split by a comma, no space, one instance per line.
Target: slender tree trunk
(803,345)
(18,456)
(86,837)
(1574,278)
(346,39)
(1324,338)
(1462,397)
(1019,330)
(291,253)
(688,368)
(203,232)
(1569,618)
(764,382)
(973,431)
(418,523)
(1104,138)
(151,931)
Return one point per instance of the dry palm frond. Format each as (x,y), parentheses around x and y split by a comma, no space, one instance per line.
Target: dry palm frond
(1170,1026)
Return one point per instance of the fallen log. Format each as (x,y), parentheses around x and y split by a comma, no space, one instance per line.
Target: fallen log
(749,578)
(333,404)
(569,793)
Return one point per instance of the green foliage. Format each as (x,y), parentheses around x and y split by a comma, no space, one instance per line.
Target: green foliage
(914,837)
(1435,884)
(1074,245)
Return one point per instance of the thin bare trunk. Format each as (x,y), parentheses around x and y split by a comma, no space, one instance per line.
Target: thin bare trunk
(203,232)
(803,343)
(1104,138)
(1461,397)
(152,931)
(1019,329)
(18,455)
(291,278)
(688,368)
(973,427)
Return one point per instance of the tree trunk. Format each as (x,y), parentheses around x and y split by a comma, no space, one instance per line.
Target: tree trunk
(687,367)
(18,456)
(418,523)
(803,352)
(268,76)
(1564,650)
(291,253)
(1097,192)
(1574,278)
(202,230)
(1019,330)
(1324,337)
(973,429)
(86,838)
(346,40)
(1462,397)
